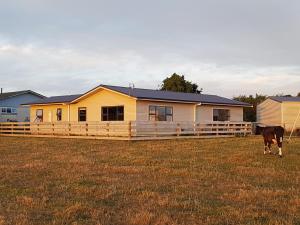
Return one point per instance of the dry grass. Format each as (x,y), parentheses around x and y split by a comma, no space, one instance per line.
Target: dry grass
(220,181)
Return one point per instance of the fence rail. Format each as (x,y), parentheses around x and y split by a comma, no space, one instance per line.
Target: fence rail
(126,130)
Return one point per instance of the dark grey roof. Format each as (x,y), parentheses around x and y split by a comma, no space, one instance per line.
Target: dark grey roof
(143,94)
(285,99)
(6,95)
(175,96)
(55,99)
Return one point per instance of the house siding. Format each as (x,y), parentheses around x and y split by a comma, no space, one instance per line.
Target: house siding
(204,113)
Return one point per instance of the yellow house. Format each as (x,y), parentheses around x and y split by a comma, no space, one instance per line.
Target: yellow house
(114,103)
(280,111)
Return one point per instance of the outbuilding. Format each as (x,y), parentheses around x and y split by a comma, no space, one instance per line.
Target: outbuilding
(280,111)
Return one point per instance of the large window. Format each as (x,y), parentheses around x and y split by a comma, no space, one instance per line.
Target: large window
(58,114)
(160,113)
(8,110)
(39,115)
(112,113)
(221,115)
(82,114)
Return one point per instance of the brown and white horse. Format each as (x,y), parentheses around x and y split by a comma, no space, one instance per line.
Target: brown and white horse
(272,135)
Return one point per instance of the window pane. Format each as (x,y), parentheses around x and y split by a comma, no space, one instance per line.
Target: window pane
(152,109)
(161,113)
(59,114)
(39,115)
(104,118)
(8,110)
(39,112)
(120,109)
(169,110)
(82,114)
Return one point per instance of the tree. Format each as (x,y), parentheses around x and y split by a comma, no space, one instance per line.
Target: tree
(179,84)
(298,94)
(250,113)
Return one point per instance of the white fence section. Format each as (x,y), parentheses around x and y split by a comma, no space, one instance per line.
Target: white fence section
(127,130)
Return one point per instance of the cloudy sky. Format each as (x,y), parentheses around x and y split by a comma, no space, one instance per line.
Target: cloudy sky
(228,47)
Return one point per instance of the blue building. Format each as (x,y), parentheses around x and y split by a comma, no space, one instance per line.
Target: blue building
(11,108)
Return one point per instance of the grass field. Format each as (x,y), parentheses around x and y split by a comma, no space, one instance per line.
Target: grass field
(213,181)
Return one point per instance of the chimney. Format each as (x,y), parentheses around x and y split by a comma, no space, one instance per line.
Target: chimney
(131,87)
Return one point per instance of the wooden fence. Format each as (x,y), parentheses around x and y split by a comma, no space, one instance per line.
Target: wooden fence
(127,130)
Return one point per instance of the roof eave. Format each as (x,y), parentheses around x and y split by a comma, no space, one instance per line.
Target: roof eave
(225,104)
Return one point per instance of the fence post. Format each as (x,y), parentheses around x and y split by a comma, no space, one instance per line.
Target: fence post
(53,129)
(86,129)
(129,129)
(178,130)
(107,129)
(69,129)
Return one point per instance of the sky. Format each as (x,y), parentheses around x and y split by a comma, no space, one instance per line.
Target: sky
(227,47)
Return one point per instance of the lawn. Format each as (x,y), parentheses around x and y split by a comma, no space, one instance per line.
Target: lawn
(212,181)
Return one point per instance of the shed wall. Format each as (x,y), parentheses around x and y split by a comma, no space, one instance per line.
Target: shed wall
(290,112)
(269,113)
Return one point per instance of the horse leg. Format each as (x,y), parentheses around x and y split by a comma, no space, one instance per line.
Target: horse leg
(266,146)
(270,146)
(279,143)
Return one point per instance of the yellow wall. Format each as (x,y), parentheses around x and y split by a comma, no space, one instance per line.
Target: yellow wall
(49,112)
(93,104)
(181,111)
(204,113)
(269,113)
(290,112)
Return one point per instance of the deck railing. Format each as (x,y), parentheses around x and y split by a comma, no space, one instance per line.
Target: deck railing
(126,130)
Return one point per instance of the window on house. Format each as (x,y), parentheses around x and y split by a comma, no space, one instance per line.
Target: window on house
(58,114)
(160,113)
(39,115)
(81,114)
(8,110)
(112,113)
(221,114)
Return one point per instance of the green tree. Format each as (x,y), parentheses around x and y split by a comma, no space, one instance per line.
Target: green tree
(179,84)
(250,113)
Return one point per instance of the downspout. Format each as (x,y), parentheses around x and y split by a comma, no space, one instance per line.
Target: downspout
(68,112)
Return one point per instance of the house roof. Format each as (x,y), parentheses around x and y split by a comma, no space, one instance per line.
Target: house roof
(140,93)
(285,99)
(55,99)
(148,94)
(6,95)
